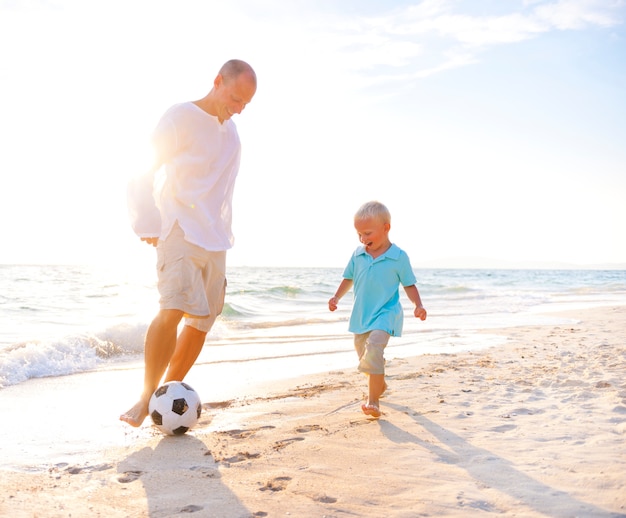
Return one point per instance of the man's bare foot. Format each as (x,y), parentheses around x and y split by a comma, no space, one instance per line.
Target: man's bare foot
(135,415)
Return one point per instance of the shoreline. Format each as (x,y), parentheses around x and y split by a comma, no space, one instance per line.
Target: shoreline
(533,427)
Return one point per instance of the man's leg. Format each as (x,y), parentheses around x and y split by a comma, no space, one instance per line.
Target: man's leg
(159,347)
(188,347)
(192,337)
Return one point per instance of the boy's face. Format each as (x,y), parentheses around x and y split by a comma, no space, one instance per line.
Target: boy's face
(373,233)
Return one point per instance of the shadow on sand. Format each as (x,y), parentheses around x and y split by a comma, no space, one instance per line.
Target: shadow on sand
(180,476)
(492,471)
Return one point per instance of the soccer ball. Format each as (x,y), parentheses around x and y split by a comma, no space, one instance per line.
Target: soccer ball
(174,407)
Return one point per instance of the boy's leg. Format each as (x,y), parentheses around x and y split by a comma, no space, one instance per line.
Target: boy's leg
(373,363)
(359,344)
(376,386)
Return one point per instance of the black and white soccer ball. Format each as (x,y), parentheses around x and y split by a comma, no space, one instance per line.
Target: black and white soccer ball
(175,407)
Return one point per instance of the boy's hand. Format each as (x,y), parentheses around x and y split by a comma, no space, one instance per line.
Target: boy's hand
(420,312)
(332,303)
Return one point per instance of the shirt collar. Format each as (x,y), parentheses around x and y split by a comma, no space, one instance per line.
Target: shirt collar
(392,253)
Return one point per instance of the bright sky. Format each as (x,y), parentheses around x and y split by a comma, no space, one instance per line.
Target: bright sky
(490,129)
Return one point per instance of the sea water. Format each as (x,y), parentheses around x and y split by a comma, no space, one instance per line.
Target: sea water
(71,341)
(60,320)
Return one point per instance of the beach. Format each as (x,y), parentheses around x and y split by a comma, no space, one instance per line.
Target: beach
(533,427)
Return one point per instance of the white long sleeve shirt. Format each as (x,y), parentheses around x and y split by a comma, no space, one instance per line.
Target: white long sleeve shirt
(200,161)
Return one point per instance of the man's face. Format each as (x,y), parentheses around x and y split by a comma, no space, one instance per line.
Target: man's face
(233,95)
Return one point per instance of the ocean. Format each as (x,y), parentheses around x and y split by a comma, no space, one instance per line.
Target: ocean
(61,320)
(71,341)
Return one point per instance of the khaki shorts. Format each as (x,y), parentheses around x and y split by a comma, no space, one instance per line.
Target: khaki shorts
(370,348)
(191,279)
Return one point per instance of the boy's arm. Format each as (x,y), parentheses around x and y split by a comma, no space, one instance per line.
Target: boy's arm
(414,297)
(343,288)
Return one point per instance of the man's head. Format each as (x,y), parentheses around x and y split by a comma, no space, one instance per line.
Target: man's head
(233,88)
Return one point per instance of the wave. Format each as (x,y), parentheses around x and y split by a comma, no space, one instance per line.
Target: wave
(457,290)
(82,352)
(69,355)
(269,324)
(233,311)
(290,291)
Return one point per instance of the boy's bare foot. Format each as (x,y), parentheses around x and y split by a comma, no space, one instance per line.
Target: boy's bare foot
(371,409)
(135,415)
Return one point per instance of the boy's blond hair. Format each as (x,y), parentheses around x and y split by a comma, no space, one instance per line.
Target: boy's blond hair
(373,209)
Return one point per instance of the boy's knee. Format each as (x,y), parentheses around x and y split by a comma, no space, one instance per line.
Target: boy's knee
(373,360)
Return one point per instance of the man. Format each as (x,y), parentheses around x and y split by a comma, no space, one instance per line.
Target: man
(186,212)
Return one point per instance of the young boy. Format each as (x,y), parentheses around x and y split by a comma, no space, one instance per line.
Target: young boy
(376,269)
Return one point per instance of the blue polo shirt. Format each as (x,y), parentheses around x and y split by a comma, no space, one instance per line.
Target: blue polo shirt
(376,294)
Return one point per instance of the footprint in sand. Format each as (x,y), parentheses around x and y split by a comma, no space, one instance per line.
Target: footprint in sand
(244,434)
(504,428)
(220,457)
(191,509)
(129,476)
(308,428)
(217,404)
(207,472)
(241,456)
(276,484)
(363,421)
(526,411)
(325,499)
(75,470)
(278,445)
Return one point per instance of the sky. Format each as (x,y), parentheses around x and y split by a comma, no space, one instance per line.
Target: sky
(494,131)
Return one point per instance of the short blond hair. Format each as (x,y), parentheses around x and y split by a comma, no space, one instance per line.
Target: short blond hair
(373,209)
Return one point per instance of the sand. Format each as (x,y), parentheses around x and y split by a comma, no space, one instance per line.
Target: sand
(535,427)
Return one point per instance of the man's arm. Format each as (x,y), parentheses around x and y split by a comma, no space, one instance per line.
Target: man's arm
(144,215)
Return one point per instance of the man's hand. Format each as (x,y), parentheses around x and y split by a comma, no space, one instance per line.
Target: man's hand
(151,240)
(332,303)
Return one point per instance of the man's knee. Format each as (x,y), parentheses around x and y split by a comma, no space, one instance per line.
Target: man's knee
(194,332)
(202,325)
(169,317)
